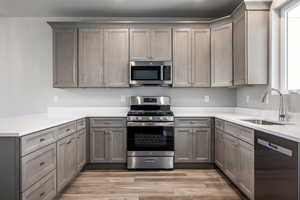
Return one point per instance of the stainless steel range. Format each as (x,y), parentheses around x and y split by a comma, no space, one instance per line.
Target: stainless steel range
(150,133)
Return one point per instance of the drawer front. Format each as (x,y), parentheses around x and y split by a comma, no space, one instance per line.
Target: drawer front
(35,141)
(65,130)
(38,164)
(108,122)
(192,122)
(219,124)
(45,189)
(81,124)
(232,129)
(246,134)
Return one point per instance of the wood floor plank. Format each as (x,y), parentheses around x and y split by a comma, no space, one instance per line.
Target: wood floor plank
(151,185)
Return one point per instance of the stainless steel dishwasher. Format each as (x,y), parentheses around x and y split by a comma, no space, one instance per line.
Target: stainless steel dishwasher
(276,168)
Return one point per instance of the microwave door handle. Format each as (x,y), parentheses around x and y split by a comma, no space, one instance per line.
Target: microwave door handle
(161,72)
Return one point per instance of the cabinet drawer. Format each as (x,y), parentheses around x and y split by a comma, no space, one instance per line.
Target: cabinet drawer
(192,122)
(107,122)
(45,189)
(246,134)
(38,164)
(219,124)
(80,124)
(35,141)
(232,129)
(65,130)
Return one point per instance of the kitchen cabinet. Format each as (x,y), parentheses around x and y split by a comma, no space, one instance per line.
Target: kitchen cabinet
(116,57)
(65,57)
(200,58)
(66,161)
(183,147)
(81,149)
(153,43)
(91,70)
(108,141)
(182,57)
(250,52)
(192,140)
(221,55)
(231,157)
(219,149)
(246,168)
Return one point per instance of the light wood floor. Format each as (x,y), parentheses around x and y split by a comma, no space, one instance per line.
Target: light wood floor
(151,185)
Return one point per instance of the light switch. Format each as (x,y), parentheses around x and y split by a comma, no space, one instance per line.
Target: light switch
(247,99)
(206,99)
(55,99)
(123,99)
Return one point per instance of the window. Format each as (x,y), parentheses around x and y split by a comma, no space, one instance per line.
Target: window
(290,70)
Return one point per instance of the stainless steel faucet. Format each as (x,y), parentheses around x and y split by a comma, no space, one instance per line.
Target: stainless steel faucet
(282,114)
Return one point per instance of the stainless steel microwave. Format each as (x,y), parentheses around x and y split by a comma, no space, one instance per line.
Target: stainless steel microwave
(150,73)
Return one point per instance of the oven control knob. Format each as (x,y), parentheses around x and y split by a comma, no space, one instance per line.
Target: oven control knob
(162,118)
(140,118)
(150,118)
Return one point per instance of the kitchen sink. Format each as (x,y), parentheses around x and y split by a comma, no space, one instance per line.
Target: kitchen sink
(263,122)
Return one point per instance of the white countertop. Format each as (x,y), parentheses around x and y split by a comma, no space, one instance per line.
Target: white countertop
(23,125)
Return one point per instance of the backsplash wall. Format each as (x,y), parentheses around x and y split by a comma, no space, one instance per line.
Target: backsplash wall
(26,76)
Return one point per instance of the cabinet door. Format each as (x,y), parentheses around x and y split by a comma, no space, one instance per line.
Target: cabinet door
(219,149)
(81,149)
(231,157)
(246,169)
(202,145)
(98,145)
(116,57)
(140,44)
(221,55)
(161,44)
(201,58)
(182,57)
(66,161)
(239,49)
(183,145)
(117,145)
(65,57)
(90,57)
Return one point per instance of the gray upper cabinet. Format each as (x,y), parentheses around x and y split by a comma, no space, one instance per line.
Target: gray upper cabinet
(221,55)
(250,39)
(116,57)
(161,44)
(202,145)
(153,43)
(200,57)
(183,145)
(91,73)
(182,57)
(65,57)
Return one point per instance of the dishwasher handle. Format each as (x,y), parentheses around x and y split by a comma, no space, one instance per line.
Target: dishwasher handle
(275,147)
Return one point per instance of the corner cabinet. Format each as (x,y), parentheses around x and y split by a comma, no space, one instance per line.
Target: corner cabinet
(153,43)
(65,57)
(221,55)
(251,40)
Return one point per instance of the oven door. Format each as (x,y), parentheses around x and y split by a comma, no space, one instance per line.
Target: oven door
(150,136)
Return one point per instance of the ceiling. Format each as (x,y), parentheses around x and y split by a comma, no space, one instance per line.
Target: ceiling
(117,8)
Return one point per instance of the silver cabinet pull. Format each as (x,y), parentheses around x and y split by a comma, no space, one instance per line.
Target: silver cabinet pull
(42,163)
(42,139)
(42,194)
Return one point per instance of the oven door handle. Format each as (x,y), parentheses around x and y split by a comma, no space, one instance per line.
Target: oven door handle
(149,124)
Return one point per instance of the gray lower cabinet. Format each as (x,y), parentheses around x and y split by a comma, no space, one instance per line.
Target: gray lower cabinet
(108,145)
(234,154)
(81,149)
(65,57)
(192,144)
(66,161)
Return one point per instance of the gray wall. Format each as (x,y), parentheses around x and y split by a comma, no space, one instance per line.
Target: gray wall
(255,95)
(26,76)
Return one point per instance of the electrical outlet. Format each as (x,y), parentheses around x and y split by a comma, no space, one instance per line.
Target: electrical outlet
(247,99)
(55,99)
(123,99)
(206,99)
